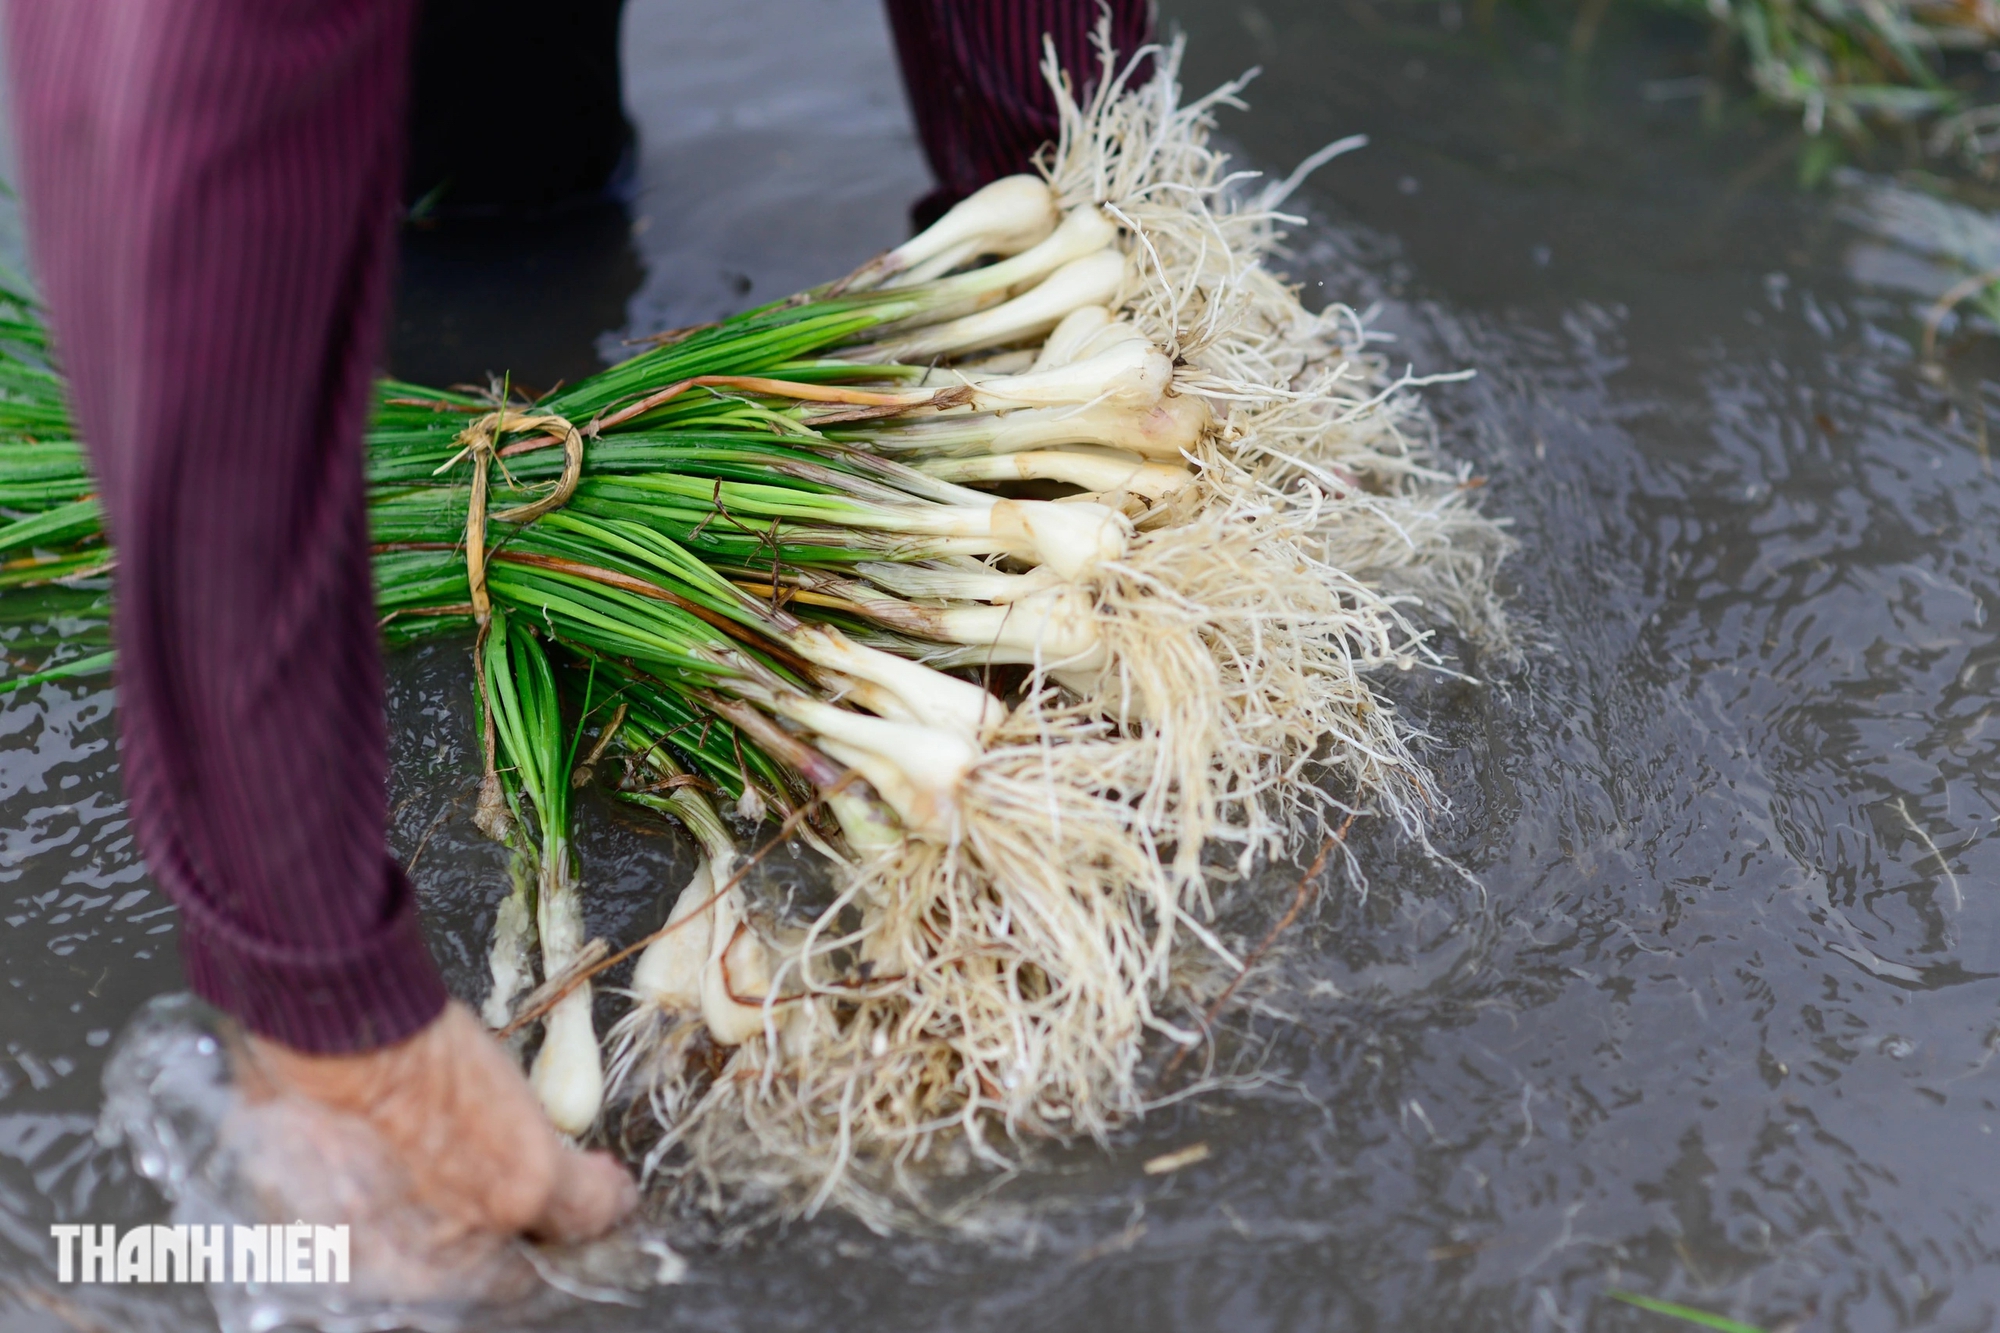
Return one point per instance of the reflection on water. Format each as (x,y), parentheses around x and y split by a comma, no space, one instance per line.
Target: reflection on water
(1716,1020)
(1915,241)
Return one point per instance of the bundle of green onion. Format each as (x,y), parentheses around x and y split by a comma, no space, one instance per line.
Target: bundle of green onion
(1015,570)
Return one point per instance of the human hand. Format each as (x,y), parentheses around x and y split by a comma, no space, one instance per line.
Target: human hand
(457,1117)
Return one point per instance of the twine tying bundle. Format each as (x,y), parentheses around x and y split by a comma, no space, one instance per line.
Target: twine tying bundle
(480,442)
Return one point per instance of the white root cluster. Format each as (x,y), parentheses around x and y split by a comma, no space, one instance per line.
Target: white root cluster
(1263,522)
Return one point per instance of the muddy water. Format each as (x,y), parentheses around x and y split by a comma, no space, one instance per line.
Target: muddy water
(1714,1022)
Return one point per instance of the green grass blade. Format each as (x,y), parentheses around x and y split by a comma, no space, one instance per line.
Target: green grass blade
(1687,1312)
(54,527)
(93,665)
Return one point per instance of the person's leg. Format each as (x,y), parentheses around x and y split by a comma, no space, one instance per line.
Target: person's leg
(972,70)
(210,188)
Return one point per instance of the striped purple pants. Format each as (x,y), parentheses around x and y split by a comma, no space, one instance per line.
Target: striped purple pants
(972,69)
(211,193)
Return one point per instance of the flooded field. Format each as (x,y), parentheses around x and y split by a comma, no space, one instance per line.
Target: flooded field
(1711,1019)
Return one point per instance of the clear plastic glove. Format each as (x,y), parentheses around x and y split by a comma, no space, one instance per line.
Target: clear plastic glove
(457,1117)
(434,1153)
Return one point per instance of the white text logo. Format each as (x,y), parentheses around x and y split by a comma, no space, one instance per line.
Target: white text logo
(296,1253)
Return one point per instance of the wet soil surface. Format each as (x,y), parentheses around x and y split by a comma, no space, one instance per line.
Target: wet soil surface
(1713,1017)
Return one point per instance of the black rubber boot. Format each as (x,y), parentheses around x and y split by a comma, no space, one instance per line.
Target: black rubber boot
(517,108)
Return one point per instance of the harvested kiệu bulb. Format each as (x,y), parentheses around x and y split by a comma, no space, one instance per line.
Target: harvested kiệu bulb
(1113,397)
(707,972)
(668,973)
(1065,341)
(736,977)
(918,769)
(1092,467)
(510,959)
(992,618)
(646,1050)
(1082,233)
(1028,294)
(960,579)
(519,689)
(568,1072)
(925,696)
(1130,372)
(1089,279)
(1168,430)
(1004,218)
(1083,334)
